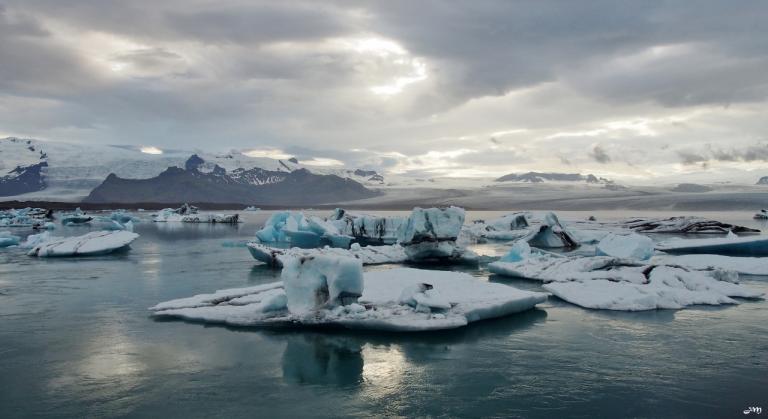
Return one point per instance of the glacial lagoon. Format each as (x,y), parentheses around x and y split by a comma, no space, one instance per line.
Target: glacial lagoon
(76,339)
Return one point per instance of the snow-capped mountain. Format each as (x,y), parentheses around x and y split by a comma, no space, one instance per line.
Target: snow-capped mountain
(198,181)
(43,170)
(537,177)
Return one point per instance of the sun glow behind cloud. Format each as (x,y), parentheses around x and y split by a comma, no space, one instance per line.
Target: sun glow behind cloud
(151,150)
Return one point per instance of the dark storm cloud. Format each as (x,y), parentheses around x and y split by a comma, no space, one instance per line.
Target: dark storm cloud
(231,74)
(599,154)
(750,153)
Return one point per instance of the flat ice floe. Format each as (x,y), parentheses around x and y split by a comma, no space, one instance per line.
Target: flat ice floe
(605,282)
(683,225)
(742,265)
(401,299)
(666,287)
(731,245)
(94,243)
(368,255)
(8,239)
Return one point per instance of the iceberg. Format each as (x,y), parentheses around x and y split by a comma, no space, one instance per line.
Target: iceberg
(731,245)
(551,234)
(683,225)
(7,239)
(454,300)
(190,214)
(77,217)
(628,246)
(666,287)
(430,235)
(35,239)
(507,227)
(122,217)
(93,243)
(368,255)
(320,282)
(25,217)
(366,229)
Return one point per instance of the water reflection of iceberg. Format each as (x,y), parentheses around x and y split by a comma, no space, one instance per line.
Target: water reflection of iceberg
(323,359)
(349,359)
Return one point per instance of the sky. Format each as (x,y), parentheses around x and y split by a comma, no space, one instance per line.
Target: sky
(631,90)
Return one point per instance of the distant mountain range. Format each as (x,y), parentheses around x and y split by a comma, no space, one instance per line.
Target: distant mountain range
(253,186)
(537,177)
(36,170)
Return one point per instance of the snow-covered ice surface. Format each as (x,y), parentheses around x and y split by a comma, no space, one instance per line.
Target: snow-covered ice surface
(93,243)
(684,225)
(742,265)
(368,255)
(730,245)
(666,287)
(631,246)
(379,306)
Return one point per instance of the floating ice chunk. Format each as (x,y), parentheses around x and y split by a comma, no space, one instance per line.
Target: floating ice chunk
(77,217)
(589,236)
(276,226)
(514,221)
(122,217)
(431,225)
(368,255)
(684,225)
(25,217)
(7,239)
(629,246)
(365,228)
(742,265)
(551,234)
(550,267)
(470,300)
(35,239)
(666,288)
(519,252)
(731,245)
(94,243)
(312,283)
(508,227)
(440,251)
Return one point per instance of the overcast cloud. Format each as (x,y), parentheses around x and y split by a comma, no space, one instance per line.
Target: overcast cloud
(629,90)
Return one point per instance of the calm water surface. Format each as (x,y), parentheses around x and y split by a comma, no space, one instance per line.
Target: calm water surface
(76,340)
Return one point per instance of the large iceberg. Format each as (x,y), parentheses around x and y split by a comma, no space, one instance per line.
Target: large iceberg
(7,239)
(731,245)
(368,255)
(321,282)
(93,243)
(400,299)
(630,246)
(365,228)
(189,214)
(429,234)
(684,225)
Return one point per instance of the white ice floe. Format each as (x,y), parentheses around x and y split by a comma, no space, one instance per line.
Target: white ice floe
(366,228)
(666,288)
(93,243)
(507,227)
(629,246)
(610,283)
(35,239)
(368,255)
(445,300)
(731,245)
(8,239)
(742,265)
(683,225)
